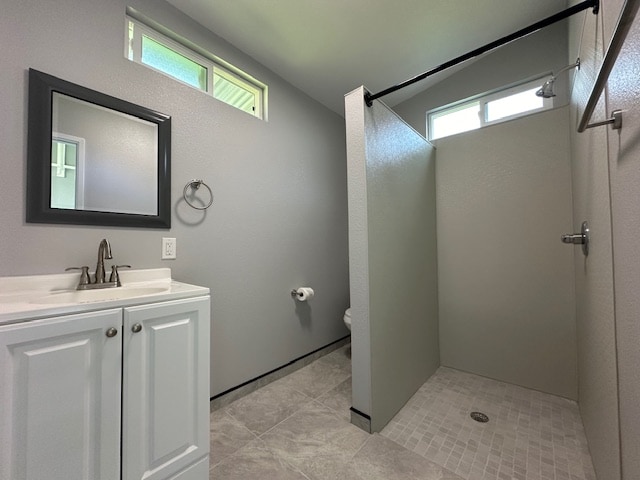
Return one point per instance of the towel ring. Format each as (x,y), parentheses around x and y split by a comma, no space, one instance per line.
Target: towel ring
(195,185)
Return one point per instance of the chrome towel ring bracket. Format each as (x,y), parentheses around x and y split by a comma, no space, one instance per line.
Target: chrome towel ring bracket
(195,185)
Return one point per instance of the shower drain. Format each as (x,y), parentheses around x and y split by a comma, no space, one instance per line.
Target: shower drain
(479,417)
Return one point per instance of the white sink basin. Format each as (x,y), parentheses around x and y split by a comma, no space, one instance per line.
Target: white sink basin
(34,297)
(100,295)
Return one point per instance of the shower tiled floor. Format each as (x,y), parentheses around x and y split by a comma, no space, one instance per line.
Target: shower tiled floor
(530,435)
(298,428)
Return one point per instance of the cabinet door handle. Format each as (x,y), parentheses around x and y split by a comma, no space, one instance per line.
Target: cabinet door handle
(112,332)
(136,328)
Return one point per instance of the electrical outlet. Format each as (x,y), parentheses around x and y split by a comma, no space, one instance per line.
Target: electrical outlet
(168,248)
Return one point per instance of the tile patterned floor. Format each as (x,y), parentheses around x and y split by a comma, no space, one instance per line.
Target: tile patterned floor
(298,428)
(530,435)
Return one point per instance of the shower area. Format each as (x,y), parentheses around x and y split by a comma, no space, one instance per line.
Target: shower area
(462,294)
(466,305)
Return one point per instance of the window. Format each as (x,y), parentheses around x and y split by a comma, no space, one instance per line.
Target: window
(487,109)
(228,84)
(457,119)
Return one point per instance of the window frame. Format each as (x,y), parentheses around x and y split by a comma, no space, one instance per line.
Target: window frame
(485,98)
(133,52)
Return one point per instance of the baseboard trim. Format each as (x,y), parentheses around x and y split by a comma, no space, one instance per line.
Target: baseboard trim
(360,420)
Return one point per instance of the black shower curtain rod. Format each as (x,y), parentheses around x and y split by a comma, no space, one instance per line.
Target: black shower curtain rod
(595,4)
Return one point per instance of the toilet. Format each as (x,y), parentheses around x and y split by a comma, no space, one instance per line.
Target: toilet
(347,318)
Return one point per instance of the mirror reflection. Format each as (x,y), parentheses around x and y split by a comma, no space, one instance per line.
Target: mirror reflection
(101,159)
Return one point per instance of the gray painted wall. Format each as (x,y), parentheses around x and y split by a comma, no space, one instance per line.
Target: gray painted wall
(606,164)
(537,54)
(505,280)
(358,252)
(624,171)
(595,318)
(491,306)
(279,219)
(393,261)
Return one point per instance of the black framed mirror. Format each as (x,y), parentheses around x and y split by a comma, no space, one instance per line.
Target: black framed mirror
(94,159)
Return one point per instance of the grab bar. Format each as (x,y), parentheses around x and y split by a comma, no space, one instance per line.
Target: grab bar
(627,14)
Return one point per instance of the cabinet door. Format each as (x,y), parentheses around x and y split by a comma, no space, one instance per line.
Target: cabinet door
(165,388)
(60,381)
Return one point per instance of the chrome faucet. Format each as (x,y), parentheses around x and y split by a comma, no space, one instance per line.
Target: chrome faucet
(104,252)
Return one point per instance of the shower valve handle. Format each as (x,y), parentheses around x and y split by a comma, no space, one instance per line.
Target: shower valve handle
(581,238)
(575,238)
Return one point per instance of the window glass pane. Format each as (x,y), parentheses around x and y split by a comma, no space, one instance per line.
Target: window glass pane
(63,174)
(130,33)
(514,104)
(462,119)
(233,94)
(172,63)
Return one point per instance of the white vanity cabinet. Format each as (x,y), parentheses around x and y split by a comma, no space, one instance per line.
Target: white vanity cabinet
(120,393)
(60,386)
(165,401)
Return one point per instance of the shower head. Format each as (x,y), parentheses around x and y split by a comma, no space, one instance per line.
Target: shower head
(546,91)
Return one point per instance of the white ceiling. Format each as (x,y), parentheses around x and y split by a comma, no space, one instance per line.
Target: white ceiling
(327,48)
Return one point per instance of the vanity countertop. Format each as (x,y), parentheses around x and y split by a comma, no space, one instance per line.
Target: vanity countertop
(32,297)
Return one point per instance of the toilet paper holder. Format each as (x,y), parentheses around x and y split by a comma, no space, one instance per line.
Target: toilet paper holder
(302,295)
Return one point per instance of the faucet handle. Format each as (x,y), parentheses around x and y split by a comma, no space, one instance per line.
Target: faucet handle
(84,275)
(115,276)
